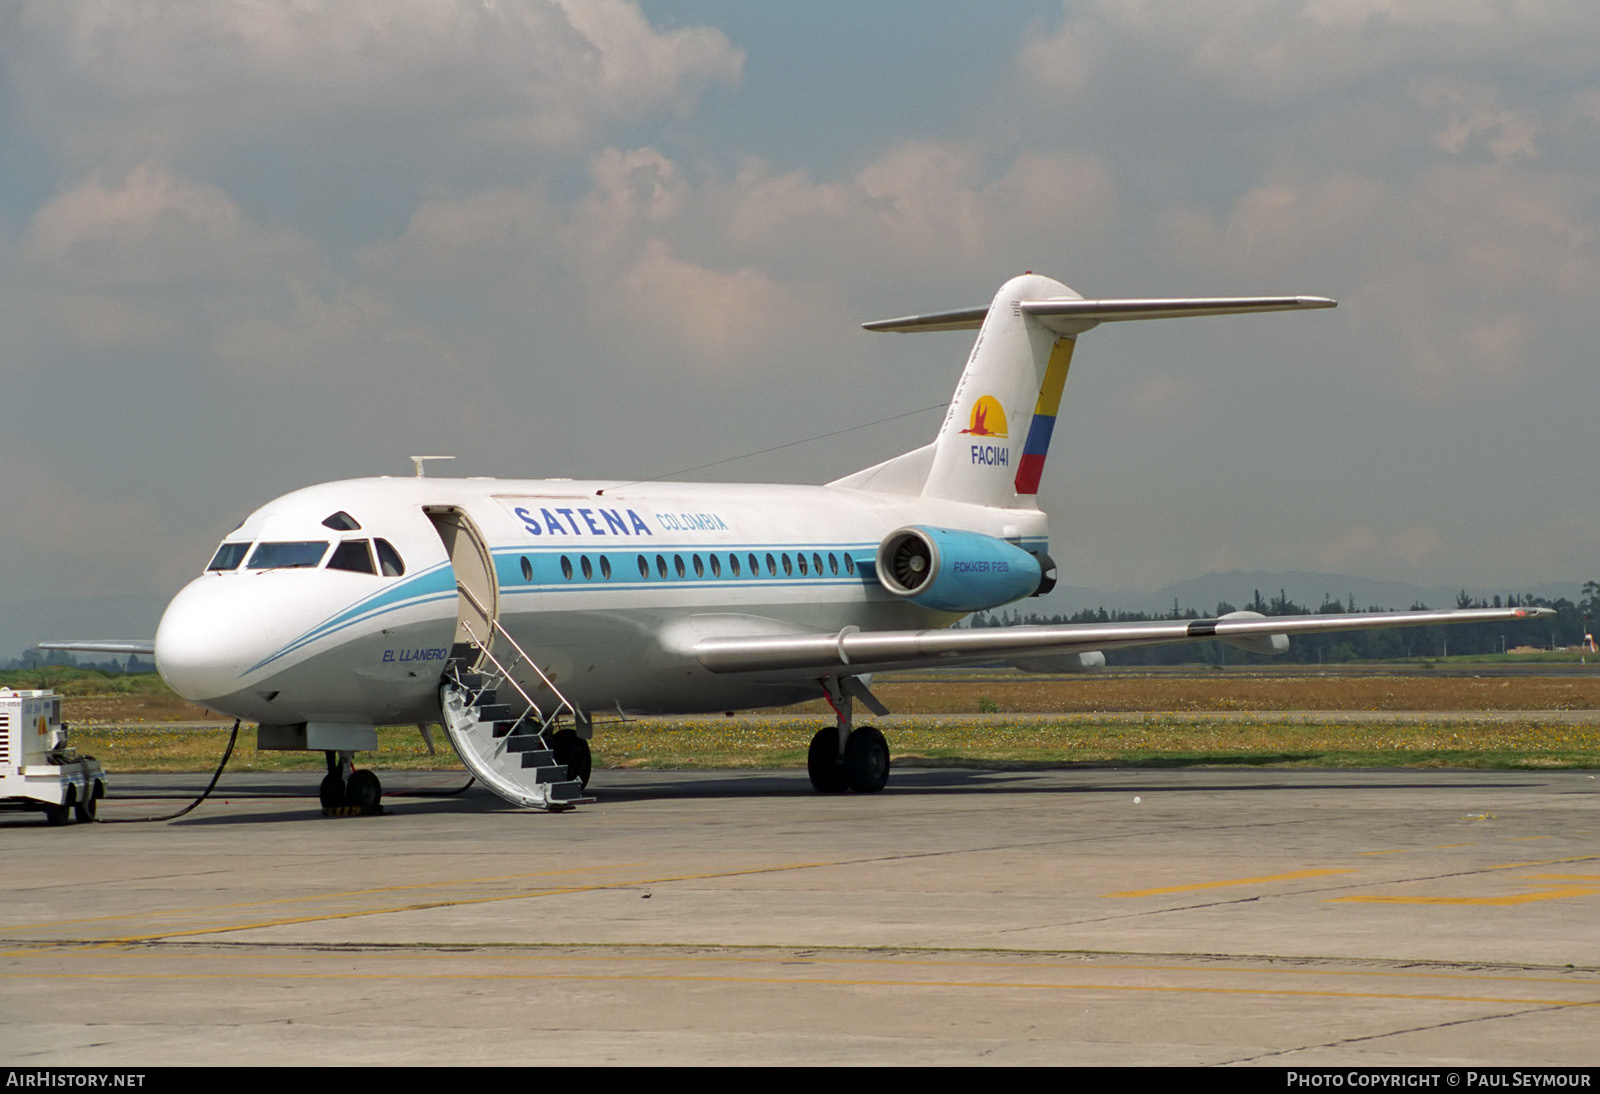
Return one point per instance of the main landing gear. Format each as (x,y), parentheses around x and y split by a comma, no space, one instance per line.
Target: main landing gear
(846,757)
(572,752)
(344,788)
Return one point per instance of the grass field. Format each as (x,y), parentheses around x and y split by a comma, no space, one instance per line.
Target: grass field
(1111,719)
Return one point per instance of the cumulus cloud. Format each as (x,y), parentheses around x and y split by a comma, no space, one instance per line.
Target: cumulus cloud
(155,227)
(107,77)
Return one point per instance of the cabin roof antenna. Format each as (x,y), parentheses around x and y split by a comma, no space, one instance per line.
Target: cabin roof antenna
(418,461)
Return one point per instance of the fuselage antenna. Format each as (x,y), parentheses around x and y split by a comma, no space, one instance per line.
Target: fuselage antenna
(420,460)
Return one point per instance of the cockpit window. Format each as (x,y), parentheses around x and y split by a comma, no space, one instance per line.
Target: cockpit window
(277,556)
(389,559)
(352,555)
(342,522)
(228,556)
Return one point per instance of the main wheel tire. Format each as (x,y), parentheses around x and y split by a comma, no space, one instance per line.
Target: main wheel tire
(331,793)
(822,763)
(866,760)
(363,791)
(57,815)
(572,752)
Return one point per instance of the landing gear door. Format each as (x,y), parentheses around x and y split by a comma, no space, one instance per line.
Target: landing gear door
(477,590)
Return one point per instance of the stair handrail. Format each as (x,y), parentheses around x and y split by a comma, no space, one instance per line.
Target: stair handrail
(495,626)
(505,674)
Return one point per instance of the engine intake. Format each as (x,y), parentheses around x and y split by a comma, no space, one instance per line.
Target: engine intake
(955,571)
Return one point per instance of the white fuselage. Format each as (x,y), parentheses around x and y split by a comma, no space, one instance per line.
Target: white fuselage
(606,586)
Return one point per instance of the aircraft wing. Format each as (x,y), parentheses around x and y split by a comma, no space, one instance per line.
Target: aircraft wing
(143,646)
(852,651)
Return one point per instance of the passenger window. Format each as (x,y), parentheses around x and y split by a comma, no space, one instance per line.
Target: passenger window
(800,557)
(733,565)
(228,556)
(716,566)
(353,555)
(755,566)
(588,570)
(527,569)
(566,567)
(644,567)
(287,556)
(661,565)
(677,564)
(389,560)
(849,565)
(772,566)
(833,563)
(816,563)
(605,567)
(699,567)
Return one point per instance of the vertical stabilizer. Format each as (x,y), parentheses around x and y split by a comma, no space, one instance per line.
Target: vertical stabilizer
(992,446)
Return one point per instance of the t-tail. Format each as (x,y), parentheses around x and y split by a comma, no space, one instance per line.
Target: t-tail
(992,447)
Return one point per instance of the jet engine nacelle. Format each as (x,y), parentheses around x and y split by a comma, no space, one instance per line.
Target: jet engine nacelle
(1088,661)
(1270,644)
(955,571)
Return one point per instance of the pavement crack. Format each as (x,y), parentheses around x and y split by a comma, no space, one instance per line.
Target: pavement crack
(1432,1027)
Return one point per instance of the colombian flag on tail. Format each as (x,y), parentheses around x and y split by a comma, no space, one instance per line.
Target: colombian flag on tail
(1031,466)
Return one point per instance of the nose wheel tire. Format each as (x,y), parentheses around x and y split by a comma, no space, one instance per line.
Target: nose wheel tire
(363,792)
(822,763)
(331,793)
(866,761)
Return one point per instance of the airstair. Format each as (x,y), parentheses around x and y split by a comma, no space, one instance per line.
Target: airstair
(503,736)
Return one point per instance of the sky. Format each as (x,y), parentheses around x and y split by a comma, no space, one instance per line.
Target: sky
(248,246)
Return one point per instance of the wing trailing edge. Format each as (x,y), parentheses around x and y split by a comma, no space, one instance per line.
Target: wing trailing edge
(855,651)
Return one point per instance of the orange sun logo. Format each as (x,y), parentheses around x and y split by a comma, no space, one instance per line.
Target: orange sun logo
(988,419)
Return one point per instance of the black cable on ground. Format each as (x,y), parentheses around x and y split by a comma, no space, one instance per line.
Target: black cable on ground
(431,793)
(226,755)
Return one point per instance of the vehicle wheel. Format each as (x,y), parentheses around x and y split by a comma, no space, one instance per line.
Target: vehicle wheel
(572,751)
(86,809)
(363,791)
(866,760)
(822,763)
(332,791)
(57,815)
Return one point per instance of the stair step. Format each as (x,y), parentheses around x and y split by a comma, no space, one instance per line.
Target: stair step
(568,792)
(525,742)
(497,712)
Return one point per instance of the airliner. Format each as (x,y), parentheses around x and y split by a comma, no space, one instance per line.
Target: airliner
(513,611)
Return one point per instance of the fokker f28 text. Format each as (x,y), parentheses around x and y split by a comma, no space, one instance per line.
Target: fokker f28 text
(511,610)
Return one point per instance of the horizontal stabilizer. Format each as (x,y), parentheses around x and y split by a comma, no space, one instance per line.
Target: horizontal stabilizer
(146,647)
(1080,315)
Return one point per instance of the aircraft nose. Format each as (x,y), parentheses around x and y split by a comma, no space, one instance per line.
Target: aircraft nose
(208,637)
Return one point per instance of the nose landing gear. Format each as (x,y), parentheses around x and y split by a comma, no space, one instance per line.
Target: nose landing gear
(345,791)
